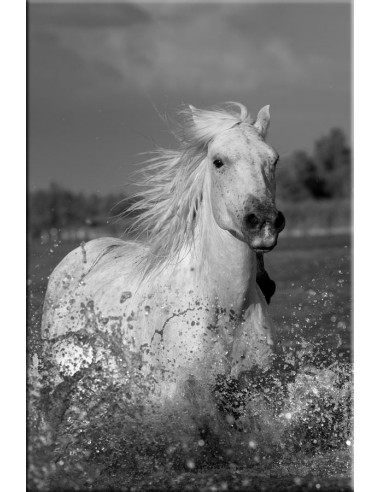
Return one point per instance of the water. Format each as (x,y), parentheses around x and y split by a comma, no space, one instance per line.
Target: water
(287,429)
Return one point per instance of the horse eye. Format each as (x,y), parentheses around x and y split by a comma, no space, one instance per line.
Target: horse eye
(218,163)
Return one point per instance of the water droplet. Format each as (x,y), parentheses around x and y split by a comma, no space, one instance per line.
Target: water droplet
(191,464)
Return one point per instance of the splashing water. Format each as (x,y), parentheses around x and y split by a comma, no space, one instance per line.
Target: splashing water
(287,429)
(93,428)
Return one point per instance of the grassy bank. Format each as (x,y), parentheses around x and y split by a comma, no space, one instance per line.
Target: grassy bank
(317,217)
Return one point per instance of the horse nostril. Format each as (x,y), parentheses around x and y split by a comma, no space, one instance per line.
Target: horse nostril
(279,221)
(251,221)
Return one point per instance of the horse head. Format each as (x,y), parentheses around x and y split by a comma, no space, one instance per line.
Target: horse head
(241,168)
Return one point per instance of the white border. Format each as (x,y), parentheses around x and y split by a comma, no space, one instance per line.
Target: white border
(13,248)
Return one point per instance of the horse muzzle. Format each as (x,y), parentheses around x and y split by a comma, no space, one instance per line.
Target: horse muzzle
(261,228)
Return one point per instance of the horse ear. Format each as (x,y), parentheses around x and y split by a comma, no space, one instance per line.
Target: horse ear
(262,122)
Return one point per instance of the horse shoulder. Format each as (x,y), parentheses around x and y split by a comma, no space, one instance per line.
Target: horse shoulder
(65,293)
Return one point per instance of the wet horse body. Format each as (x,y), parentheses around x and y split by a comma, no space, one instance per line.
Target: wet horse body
(193,310)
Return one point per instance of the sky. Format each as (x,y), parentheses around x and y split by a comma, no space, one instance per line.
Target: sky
(101,74)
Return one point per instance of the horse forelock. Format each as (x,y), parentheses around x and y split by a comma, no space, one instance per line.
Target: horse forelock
(201,126)
(173,183)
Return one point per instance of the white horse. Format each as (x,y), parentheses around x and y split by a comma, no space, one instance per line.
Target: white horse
(185,299)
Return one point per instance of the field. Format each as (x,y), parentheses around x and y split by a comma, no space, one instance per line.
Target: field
(311,309)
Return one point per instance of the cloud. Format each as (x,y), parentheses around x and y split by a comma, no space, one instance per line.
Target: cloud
(215,51)
(180,49)
(85,15)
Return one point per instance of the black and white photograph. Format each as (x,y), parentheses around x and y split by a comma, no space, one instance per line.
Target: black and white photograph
(189,246)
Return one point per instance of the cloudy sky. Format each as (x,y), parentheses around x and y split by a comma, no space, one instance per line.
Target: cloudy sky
(99,73)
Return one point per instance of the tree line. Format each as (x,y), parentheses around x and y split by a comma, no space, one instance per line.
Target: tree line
(57,208)
(326,174)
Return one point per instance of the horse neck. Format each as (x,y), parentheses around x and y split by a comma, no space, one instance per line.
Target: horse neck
(226,266)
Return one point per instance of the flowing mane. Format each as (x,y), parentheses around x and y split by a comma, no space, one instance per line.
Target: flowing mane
(173,183)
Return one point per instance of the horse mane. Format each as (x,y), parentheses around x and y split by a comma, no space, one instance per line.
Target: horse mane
(166,211)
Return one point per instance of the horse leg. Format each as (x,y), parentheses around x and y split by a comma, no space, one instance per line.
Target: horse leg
(265,283)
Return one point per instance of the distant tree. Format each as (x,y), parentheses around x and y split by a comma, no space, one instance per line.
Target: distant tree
(59,208)
(39,214)
(293,177)
(327,174)
(92,207)
(332,159)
